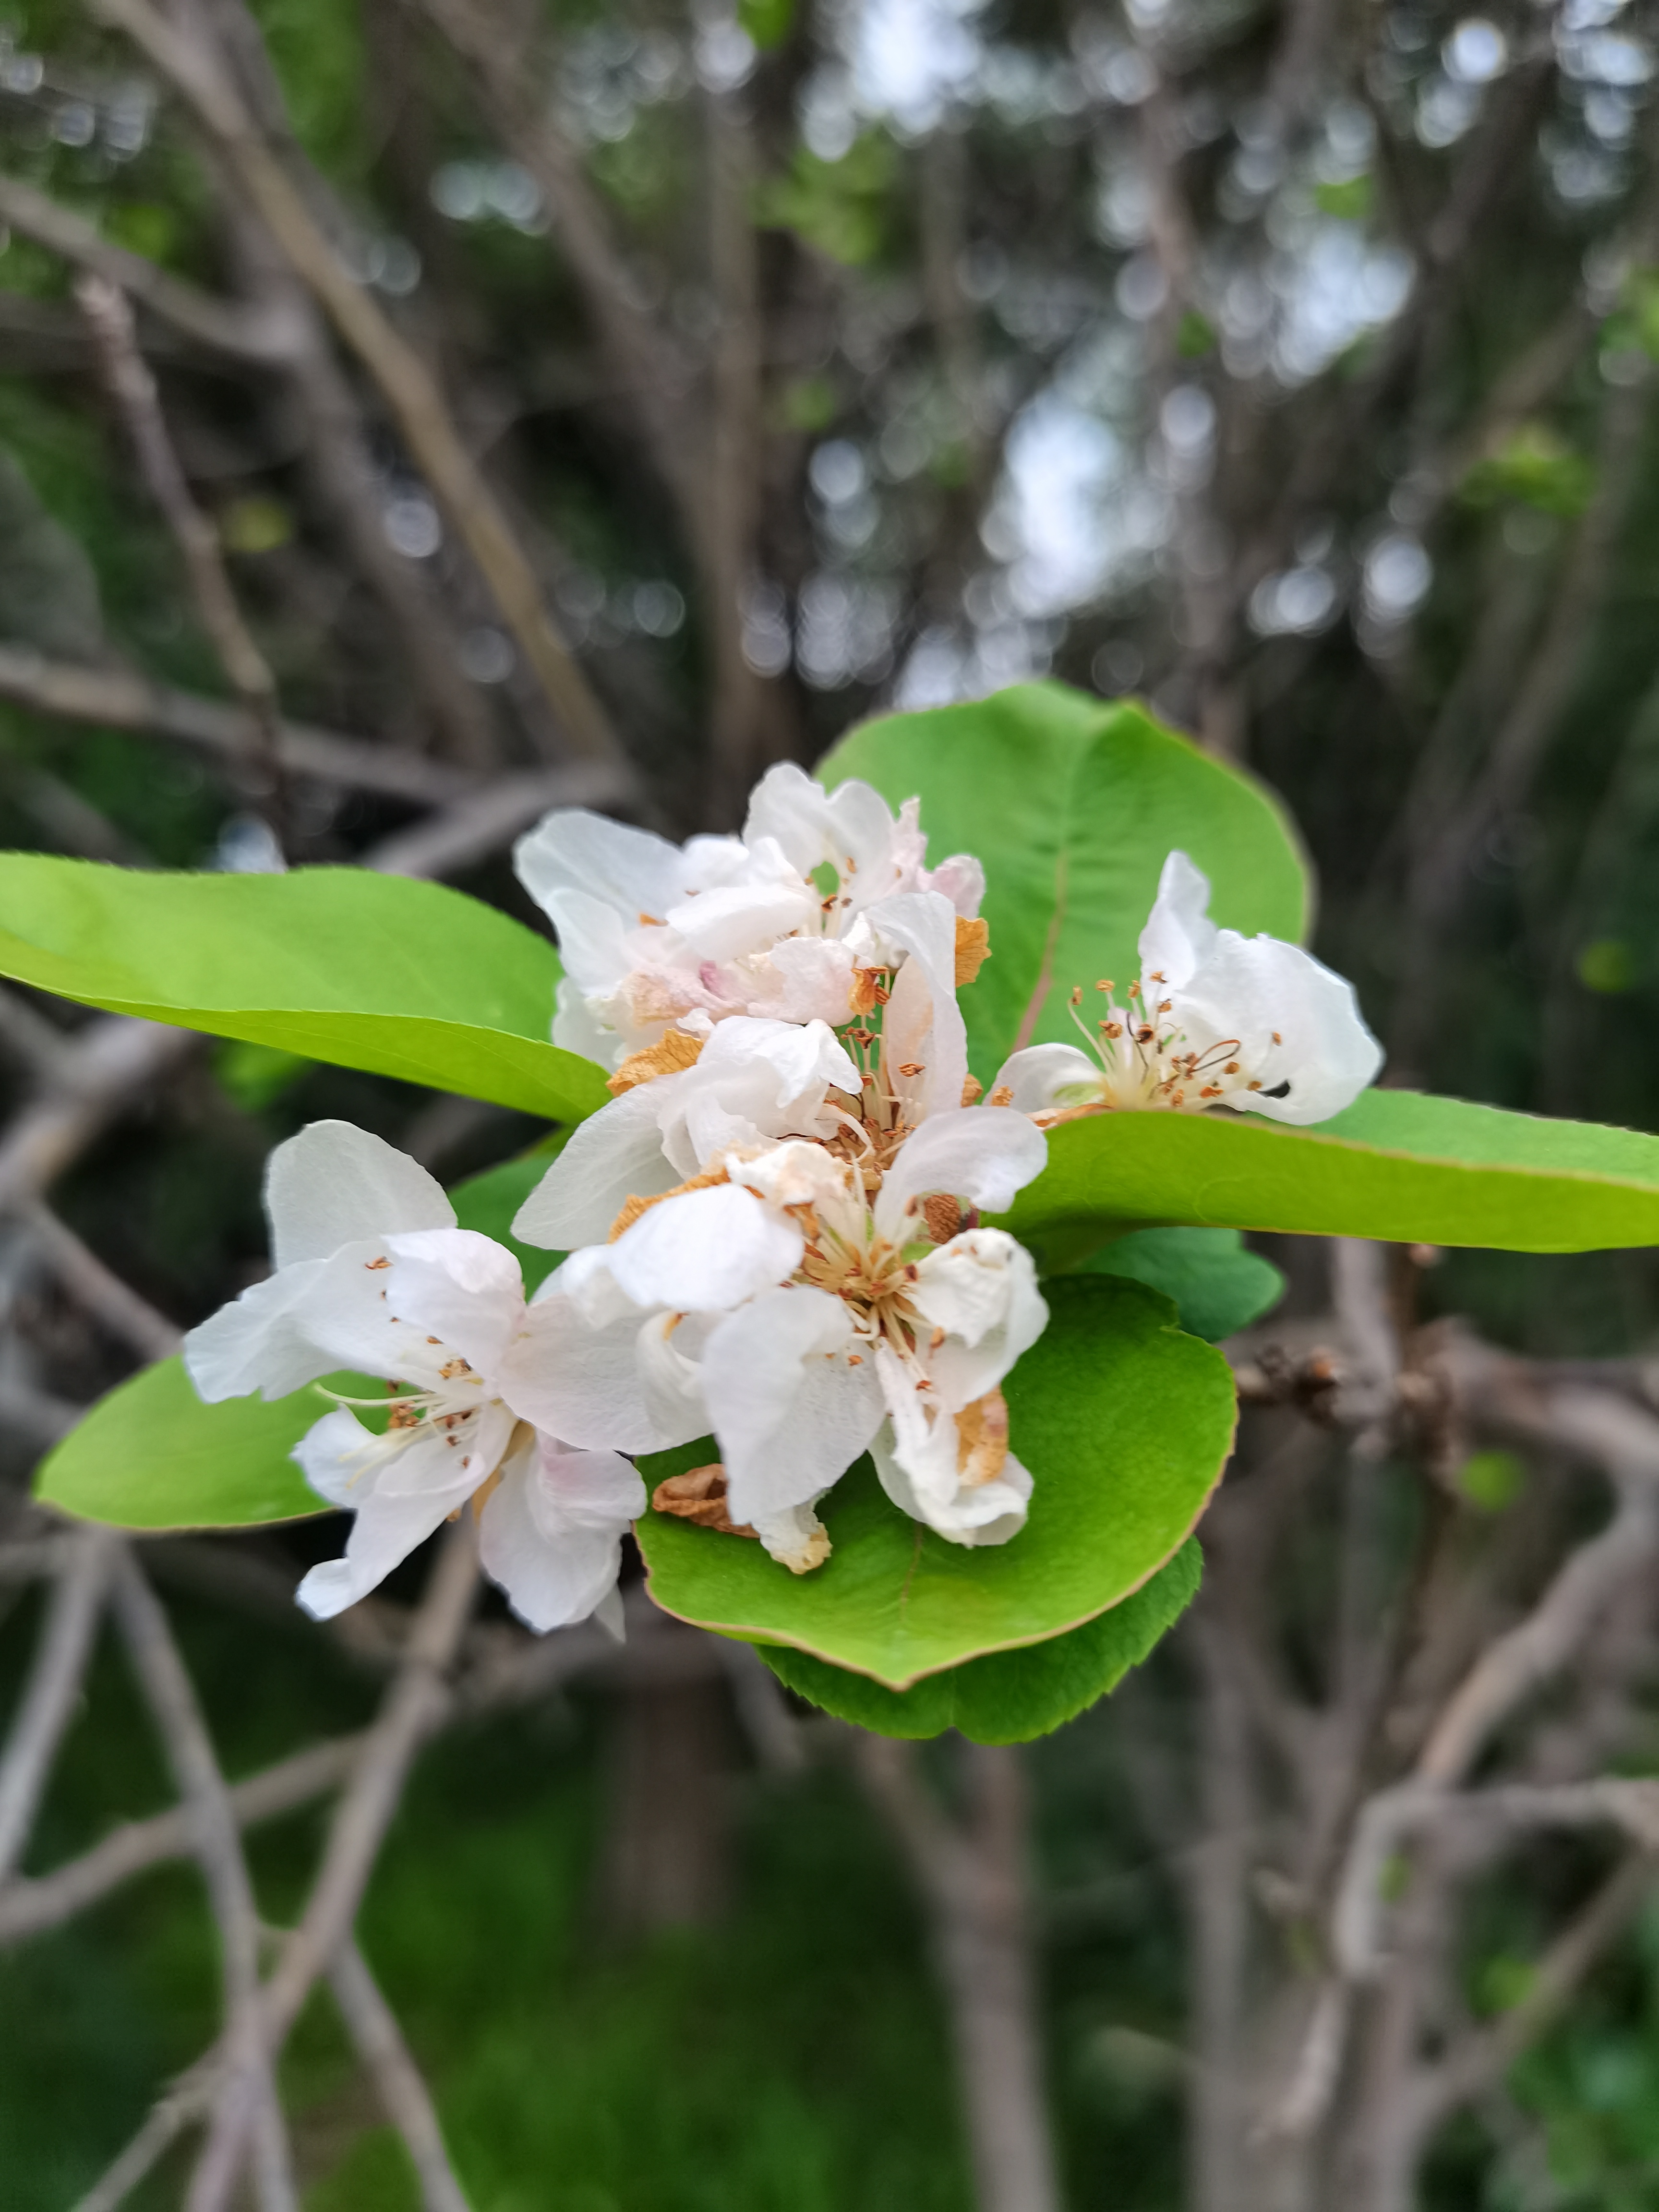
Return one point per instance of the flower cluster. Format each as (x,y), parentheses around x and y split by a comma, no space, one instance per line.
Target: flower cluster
(773,1233)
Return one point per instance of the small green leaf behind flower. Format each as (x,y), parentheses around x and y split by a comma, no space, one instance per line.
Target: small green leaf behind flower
(1218,1286)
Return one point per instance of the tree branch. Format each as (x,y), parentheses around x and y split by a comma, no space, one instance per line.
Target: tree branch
(403,378)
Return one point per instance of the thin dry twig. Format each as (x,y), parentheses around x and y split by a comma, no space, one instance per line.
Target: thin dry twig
(31,1907)
(263,336)
(123,701)
(973,1878)
(133,388)
(380,2043)
(54,1685)
(217,1843)
(99,1288)
(403,378)
(413,1707)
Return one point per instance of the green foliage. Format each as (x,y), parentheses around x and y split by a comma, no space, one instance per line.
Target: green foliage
(316,47)
(767,22)
(1491,1480)
(257,1075)
(1608,966)
(838,207)
(370,971)
(1125,1424)
(798,2057)
(1394,1165)
(1073,804)
(1007,1697)
(1537,468)
(1351,199)
(152,1455)
(1218,1286)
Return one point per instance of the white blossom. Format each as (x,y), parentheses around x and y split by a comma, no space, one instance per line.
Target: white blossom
(753,1081)
(805,1316)
(372,1275)
(775,923)
(1216,1019)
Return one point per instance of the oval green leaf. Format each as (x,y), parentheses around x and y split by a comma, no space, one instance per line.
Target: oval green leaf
(1396,1165)
(1008,1696)
(1073,804)
(1124,1422)
(379,972)
(150,1455)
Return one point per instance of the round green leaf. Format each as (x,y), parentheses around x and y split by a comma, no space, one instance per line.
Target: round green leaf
(1125,1424)
(379,972)
(1073,804)
(152,1455)
(1008,1696)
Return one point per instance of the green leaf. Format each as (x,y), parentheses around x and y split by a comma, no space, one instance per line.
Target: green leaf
(379,972)
(1073,804)
(1395,1164)
(767,22)
(152,1455)
(1008,1696)
(1124,1423)
(1218,1286)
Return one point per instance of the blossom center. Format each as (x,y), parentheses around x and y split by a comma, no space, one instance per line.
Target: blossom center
(1145,1061)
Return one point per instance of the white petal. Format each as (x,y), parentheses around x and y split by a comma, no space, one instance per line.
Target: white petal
(990,1513)
(722,925)
(259,1340)
(797,1173)
(815,827)
(334,1184)
(462,1288)
(1041,1075)
(785,1063)
(388,1524)
(803,979)
(550,1533)
(469,1448)
(668,1352)
(922,1023)
(629,870)
(615,1155)
(796,1538)
(961,880)
(982,1290)
(981,1154)
(350,1316)
(577,1027)
(705,1250)
(790,1413)
(594,946)
(1326,1055)
(580,1381)
(1179,935)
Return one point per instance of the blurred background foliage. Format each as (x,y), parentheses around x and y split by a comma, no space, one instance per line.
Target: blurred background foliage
(1290,365)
